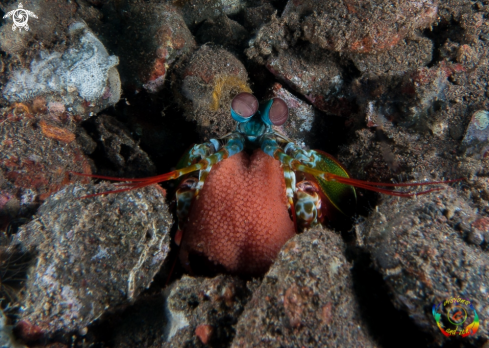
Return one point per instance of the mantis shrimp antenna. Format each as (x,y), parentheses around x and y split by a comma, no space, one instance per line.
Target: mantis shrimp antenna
(270,146)
(233,146)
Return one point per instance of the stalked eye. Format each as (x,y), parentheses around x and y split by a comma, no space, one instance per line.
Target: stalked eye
(243,106)
(275,112)
(279,112)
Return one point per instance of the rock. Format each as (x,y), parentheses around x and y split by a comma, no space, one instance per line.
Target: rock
(424,259)
(222,31)
(301,115)
(211,79)
(148,50)
(482,227)
(306,299)
(83,78)
(14,264)
(200,308)
(189,311)
(49,28)
(35,155)
(87,144)
(360,27)
(255,17)
(196,11)
(312,72)
(476,139)
(126,157)
(392,154)
(430,90)
(418,98)
(93,254)
(409,54)
(139,325)
(7,339)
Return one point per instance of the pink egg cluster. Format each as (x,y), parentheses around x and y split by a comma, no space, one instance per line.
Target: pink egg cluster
(240,219)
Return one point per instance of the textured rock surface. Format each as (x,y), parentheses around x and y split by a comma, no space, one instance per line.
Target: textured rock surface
(189,311)
(34,157)
(211,79)
(301,115)
(54,17)
(476,138)
(83,78)
(358,26)
(313,72)
(147,51)
(212,304)
(425,251)
(93,254)
(7,339)
(222,31)
(125,156)
(196,11)
(306,299)
(410,53)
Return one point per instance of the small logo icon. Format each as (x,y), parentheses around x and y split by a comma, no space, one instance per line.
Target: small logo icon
(456,317)
(20,18)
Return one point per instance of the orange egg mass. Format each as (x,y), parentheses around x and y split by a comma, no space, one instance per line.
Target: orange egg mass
(240,219)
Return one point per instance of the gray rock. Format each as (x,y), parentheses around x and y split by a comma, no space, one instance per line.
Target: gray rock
(93,254)
(424,259)
(34,158)
(409,54)
(189,312)
(121,150)
(306,299)
(196,11)
(84,73)
(476,139)
(147,50)
(7,339)
(210,80)
(301,115)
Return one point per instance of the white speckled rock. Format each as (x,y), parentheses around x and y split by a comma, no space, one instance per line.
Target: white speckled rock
(83,78)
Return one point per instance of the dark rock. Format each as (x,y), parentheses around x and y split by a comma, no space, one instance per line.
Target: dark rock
(424,259)
(196,11)
(256,17)
(93,254)
(149,48)
(306,299)
(120,149)
(356,26)
(409,54)
(34,157)
(87,144)
(189,311)
(312,72)
(476,139)
(222,31)
(50,25)
(193,302)
(211,79)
